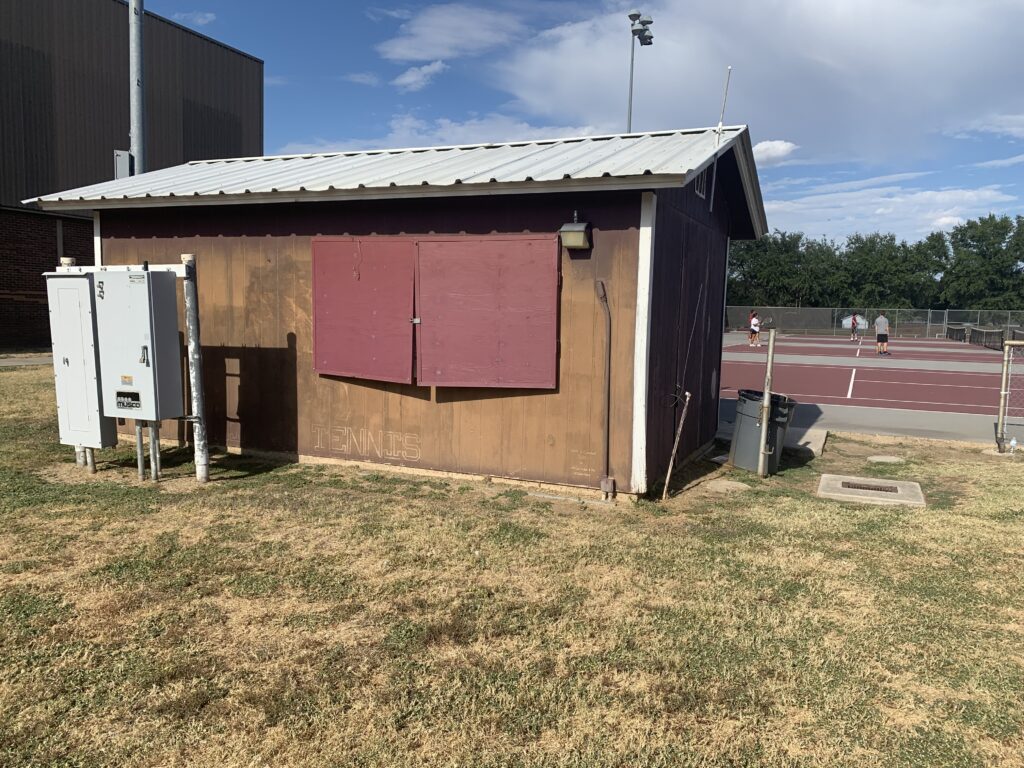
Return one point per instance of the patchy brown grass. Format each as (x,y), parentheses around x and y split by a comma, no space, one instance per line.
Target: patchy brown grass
(313,616)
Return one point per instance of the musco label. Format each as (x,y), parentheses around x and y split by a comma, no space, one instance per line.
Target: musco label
(129,400)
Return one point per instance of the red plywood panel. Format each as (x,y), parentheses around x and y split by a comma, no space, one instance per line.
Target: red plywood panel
(488,311)
(363,307)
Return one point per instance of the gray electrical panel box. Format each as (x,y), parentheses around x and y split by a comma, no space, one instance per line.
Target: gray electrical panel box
(80,419)
(140,354)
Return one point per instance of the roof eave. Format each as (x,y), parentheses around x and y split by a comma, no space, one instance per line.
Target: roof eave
(751,184)
(378,193)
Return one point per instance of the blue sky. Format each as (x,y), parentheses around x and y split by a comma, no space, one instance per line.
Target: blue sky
(891,115)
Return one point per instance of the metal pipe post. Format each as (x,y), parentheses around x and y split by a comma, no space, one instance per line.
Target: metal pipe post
(1004,386)
(136,95)
(195,369)
(632,57)
(140,450)
(159,464)
(90,461)
(607,482)
(766,407)
(153,449)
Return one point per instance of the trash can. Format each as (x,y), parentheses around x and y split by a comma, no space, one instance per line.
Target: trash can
(746,435)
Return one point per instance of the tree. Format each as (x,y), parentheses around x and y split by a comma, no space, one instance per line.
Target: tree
(784,269)
(980,265)
(885,273)
(986,270)
(929,258)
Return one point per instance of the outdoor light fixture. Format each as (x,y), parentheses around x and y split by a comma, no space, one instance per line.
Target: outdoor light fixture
(575,234)
(640,32)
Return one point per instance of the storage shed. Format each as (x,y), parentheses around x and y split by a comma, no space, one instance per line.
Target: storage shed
(419,307)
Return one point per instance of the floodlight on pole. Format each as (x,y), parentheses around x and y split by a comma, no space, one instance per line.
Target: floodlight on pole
(639,32)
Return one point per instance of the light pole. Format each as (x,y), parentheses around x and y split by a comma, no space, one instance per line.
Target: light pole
(640,31)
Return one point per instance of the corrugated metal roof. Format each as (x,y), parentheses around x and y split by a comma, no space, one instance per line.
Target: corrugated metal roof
(644,160)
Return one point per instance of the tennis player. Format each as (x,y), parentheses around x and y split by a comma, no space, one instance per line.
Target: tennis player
(755,330)
(882,334)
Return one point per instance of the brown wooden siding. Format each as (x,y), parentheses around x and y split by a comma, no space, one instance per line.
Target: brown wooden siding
(64,95)
(690,251)
(255,290)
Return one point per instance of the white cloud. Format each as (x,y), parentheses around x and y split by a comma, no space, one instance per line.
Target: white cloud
(873,181)
(947,222)
(773,151)
(362,78)
(410,131)
(417,78)
(909,212)
(847,80)
(1004,162)
(379,14)
(449,31)
(778,185)
(196,18)
(998,124)
(272,80)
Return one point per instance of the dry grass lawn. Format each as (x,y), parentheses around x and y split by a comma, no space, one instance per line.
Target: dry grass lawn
(317,616)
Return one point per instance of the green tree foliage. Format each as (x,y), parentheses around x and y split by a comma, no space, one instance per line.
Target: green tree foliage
(810,269)
(986,269)
(979,265)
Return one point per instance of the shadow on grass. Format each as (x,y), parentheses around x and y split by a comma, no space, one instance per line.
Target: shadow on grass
(694,471)
(223,466)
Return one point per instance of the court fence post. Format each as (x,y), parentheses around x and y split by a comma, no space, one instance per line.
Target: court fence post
(1011,349)
(766,407)
(1003,386)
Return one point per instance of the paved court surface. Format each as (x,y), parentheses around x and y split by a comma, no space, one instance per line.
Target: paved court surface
(16,361)
(928,387)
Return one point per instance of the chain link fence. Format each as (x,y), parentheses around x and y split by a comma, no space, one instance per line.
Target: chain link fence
(912,323)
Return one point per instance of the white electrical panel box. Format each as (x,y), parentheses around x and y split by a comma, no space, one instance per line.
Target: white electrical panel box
(80,419)
(139,350)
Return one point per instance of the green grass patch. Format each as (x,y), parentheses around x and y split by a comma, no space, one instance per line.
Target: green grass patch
(313,615)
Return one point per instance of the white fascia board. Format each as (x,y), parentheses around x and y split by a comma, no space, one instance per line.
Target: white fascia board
(642,341)
(383,193)
(751,185)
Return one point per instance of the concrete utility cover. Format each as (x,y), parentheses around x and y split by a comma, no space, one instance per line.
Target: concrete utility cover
(886,460)
(870,490)
(721,485)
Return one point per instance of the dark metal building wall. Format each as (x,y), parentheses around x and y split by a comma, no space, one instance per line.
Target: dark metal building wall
(64,95)
(28,247)
(690,251)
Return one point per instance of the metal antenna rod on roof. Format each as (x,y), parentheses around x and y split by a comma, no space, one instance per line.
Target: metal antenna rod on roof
(725,98)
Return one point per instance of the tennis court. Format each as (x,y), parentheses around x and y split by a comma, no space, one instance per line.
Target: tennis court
(857,390)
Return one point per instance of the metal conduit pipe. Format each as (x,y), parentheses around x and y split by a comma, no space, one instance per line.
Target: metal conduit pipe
(154,449)
(607,482)
(159,467)
(195,369)
(140,450)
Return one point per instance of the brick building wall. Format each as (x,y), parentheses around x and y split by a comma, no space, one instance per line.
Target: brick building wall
(28,247)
